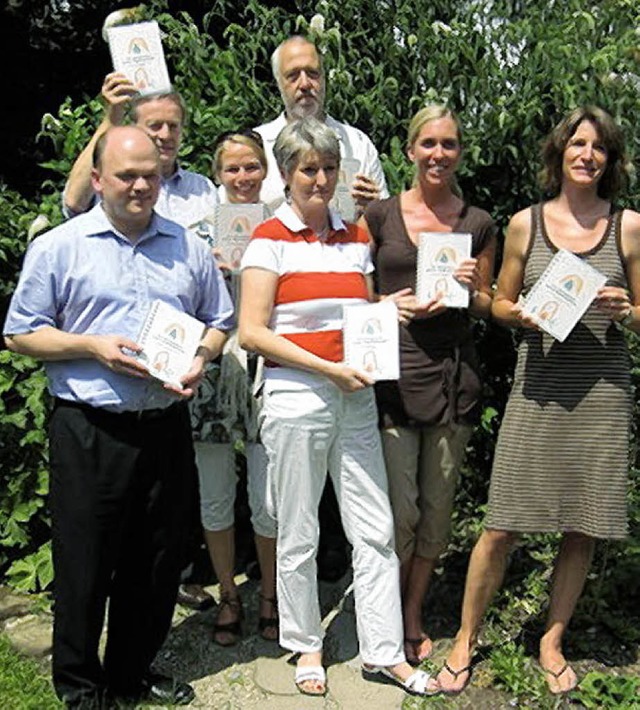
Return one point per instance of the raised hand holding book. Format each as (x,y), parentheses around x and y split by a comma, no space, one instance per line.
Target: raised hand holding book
(136,51)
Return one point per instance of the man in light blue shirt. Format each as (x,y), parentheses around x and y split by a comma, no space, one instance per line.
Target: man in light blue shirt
(120,442)
(185,197)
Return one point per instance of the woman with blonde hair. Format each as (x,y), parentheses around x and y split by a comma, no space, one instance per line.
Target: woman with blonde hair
(224,412)
(428,415)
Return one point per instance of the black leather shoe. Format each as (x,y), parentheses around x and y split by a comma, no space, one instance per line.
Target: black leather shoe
(163,690)
(194,597)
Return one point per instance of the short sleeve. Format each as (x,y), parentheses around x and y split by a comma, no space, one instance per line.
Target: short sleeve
(34,302)
(262,253)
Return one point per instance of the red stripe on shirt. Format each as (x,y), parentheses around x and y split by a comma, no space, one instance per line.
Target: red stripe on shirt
(310,285)
(275,230)
(326,344)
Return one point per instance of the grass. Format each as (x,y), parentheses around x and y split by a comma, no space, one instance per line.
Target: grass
(23,683)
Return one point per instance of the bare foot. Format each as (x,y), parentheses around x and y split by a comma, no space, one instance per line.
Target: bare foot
(418,648)
(454,676)
(560,676)
(310,686)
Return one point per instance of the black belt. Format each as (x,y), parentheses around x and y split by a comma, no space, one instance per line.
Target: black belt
(138,415)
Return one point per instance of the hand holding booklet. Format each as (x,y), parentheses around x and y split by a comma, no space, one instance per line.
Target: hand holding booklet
(169,340)
(561,296)
(370,333)
(136,51)
(439,255)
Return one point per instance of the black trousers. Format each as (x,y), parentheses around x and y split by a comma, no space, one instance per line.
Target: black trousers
(121,487)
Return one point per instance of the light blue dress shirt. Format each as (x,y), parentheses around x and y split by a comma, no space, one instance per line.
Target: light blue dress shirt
(85,277)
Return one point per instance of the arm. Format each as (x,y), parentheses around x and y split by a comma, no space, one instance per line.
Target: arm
(505,308)
(209,349)
(621,305)
(48,343)
(258,292)
(117,91)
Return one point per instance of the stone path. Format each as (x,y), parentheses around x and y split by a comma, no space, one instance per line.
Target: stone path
(256,674)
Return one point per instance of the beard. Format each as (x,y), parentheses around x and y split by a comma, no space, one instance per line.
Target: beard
(315,109)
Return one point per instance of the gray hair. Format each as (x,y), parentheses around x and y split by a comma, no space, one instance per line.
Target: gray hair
(173,96)
(301,137)
(275,57)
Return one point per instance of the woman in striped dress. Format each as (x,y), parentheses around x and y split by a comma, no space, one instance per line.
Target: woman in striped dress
(319,415)
(562,456)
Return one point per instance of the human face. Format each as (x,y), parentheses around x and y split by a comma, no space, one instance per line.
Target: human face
(128,180)
(585,156)
(436,151)
(240,172)
(312,182)
(162,120)
(301,81)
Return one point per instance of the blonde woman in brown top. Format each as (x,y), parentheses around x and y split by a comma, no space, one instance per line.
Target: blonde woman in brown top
(428,415)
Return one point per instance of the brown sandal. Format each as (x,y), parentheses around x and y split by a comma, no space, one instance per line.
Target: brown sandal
(266,623)
(233,628)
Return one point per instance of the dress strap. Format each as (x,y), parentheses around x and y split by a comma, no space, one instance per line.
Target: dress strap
(616,228)
(536,228)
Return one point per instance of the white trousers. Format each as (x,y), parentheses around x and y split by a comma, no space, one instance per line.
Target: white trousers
(307,432)
(217,477)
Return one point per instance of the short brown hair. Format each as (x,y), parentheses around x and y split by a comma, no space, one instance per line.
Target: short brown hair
(614,177)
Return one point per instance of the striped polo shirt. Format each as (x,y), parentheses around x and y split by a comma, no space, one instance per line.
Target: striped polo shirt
(316,278)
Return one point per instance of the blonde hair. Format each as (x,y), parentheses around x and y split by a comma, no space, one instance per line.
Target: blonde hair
(250,139)
(431,112)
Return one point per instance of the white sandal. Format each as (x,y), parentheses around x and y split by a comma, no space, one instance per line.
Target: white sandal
(313,673)
(415,684)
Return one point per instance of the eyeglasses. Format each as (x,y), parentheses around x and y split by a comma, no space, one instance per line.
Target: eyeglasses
(246,132)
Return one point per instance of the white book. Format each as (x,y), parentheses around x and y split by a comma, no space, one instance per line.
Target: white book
(169,339)
(439,254)
(233,225)
(136,51)
(342,201)
(370,333)
(562,294)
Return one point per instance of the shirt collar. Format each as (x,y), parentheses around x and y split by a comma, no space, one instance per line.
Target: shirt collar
(292,222)
(271,130)
(98,223)
(175,177)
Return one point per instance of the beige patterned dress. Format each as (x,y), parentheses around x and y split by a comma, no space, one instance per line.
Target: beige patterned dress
(561,462)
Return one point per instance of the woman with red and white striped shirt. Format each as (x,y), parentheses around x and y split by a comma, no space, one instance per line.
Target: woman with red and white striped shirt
(319,415)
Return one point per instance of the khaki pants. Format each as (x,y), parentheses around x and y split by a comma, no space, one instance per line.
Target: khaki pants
(422,468)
